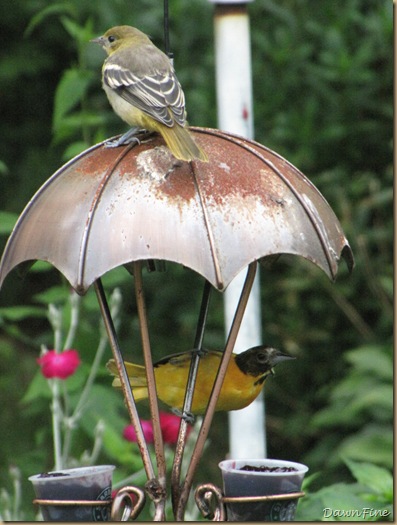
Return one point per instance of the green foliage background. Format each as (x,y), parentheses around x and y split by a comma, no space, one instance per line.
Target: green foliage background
(322,76)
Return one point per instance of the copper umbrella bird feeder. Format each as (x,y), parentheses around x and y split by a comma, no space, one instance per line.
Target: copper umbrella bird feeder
(111,207)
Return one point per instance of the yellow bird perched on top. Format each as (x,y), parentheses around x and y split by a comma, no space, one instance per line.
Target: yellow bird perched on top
(143,90)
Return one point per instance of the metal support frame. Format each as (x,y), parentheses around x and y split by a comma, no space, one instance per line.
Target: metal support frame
(156,485)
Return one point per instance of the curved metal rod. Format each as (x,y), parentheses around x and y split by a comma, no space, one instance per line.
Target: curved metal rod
(125,384)
(94,206)
(272,497)
(72,502)
(158,494)
(209,500)
(209,230)
(205,426)
(191,382)
(125,507)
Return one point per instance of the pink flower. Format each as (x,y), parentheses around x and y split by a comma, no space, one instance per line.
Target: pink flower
(170,427)
(130,435)
(61,365)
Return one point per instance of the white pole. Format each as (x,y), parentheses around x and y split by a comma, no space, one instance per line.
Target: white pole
(235,114)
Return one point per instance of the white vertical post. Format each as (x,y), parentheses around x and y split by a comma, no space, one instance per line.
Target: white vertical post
(235,114)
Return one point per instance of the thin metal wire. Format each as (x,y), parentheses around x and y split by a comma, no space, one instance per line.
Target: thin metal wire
(191,382)
(167,31)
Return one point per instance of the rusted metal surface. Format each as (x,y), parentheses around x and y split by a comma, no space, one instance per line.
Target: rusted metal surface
(111,206)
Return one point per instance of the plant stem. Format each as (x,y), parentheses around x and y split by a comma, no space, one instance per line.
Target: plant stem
(74,320)
(55,317)
(78,411)
(56,423)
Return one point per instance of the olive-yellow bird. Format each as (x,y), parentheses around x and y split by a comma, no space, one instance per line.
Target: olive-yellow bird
(244,379)
(143,90)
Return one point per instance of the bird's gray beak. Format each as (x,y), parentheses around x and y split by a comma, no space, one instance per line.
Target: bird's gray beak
(99,40)
(281,357)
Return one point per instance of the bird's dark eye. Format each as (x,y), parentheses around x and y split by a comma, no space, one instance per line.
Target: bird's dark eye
(261,357)
(111,38)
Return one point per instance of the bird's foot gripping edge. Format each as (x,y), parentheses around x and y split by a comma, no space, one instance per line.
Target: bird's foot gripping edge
(187,416)
(130,137)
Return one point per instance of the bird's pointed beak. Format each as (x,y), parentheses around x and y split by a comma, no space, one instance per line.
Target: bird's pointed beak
(280,357)
(98,40)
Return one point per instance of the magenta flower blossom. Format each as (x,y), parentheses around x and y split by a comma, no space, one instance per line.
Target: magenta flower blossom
(130,435)
(169,428)
(61,365)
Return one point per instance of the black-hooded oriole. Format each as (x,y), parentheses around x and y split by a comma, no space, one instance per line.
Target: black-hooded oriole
(245,377)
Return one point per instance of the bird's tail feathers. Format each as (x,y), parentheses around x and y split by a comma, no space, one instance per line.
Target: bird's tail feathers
(140,393)
(136,374)
(182,145)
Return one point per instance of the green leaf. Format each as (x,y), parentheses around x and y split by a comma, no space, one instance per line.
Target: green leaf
(53,9)
(377,478)
(18,313)
(333,503)
(70,91)
(38,388)
(373,359)
(81,34)
(105,403)
(75,122)
(119,449)
(373,443)
(55,295)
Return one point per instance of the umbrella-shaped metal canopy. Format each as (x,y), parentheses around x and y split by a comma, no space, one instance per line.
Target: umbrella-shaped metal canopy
(108,207)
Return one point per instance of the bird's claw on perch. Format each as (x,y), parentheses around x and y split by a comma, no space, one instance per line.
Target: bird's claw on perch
(201,352)
(187,416)
(128,138)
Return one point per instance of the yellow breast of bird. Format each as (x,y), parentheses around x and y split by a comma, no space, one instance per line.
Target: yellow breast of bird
(238,389)
(126,111)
